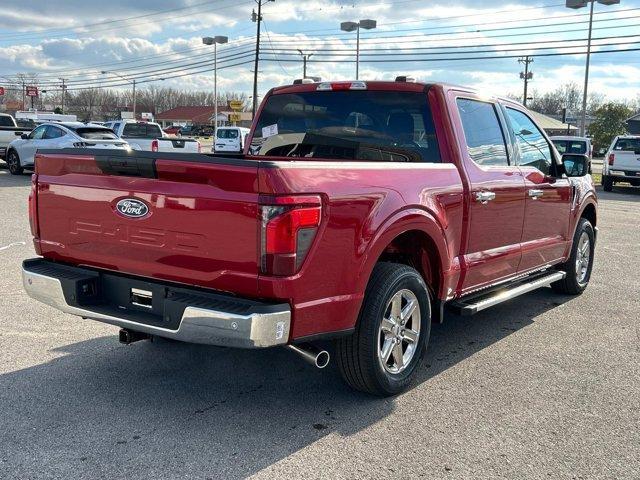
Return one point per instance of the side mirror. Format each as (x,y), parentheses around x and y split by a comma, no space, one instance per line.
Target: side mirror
(24,136)
(575,165)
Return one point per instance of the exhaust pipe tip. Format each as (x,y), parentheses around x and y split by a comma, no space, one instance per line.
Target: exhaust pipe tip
(322,359)
(311,354)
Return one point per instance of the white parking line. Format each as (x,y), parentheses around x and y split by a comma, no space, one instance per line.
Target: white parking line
(14,244)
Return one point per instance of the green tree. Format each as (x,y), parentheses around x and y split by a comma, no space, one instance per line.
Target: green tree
(610,121)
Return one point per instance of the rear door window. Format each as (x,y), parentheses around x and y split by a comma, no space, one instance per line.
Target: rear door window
(627,145)
(227,133)
(96,133)
(483,133)
(365,125)
(141,130)
(571,146)
(6,121)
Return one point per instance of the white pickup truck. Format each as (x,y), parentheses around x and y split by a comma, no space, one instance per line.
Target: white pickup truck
(622,162)
(148,136)
(9,131)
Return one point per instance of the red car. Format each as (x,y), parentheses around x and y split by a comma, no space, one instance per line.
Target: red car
(172,130)
(359,212)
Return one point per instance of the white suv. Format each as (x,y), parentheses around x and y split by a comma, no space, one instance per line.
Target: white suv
(622,162)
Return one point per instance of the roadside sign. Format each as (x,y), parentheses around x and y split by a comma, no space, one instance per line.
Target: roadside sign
(1,90)
(148,116)
(236,104)
(234,117)
(31,91)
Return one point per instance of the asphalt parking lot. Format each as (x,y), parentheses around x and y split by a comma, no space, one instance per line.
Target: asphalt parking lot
(546,386)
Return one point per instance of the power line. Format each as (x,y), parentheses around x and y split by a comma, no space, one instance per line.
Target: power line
(65,32)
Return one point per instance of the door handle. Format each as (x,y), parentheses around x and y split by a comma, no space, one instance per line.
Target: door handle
(484,197)
(535,194)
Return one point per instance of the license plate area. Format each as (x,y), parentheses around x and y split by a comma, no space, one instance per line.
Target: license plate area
(142,298)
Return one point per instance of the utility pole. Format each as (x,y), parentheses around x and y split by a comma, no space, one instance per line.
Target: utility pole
(257,18)
(526,76)
(134,98)
(305,57)
(64,90)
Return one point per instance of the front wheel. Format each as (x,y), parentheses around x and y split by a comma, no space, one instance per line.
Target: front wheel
(580,263)
(392,333)
(13,161)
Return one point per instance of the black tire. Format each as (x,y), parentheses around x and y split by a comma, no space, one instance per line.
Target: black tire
(607,183)
(13,161)
(571,285)
(357,355)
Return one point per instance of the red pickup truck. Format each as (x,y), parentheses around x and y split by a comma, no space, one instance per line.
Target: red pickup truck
(358,212)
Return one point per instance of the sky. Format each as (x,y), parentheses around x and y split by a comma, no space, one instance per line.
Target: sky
(472,43)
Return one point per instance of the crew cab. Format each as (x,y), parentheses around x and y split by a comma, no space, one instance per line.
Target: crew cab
(9,131)
(622,162)
(148,136)
(358,212)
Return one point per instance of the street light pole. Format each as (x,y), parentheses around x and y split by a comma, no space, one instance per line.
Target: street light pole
(215,41)
(355,26)
(575,4)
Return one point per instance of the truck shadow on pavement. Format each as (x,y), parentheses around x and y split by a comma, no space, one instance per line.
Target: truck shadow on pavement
(165,409)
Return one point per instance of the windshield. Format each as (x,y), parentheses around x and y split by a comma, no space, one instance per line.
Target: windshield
(349,125)
(627,145)
(228,133)
(571,146)
(141,130)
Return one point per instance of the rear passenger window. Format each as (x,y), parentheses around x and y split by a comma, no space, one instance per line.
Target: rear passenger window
(485,140)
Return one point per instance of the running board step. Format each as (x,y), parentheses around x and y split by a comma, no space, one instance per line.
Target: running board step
(477,302)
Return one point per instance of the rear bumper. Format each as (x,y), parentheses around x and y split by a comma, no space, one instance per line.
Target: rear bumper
(200,317)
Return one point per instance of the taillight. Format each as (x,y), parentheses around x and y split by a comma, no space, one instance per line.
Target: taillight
(33,198)
(289,226)
(338,86)
(612,158)
(154,145)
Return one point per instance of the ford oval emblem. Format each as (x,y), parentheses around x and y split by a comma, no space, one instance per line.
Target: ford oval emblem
(132,208)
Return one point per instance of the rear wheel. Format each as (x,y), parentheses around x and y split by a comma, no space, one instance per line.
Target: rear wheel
(13,161)
(607,183)
(580,263)
(393,329)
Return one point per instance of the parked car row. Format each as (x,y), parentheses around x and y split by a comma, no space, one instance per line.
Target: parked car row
(19,146)
(21,151)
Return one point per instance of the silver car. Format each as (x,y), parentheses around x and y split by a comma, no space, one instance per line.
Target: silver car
(21,152)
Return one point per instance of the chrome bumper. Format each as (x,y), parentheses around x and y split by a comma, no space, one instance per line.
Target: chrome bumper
(197,325)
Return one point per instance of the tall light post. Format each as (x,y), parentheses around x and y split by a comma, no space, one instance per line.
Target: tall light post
(575,4)
(215,41)
(132,81)
(350,27)
(305,58)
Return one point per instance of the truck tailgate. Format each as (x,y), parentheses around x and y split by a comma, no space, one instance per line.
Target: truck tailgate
(190,219)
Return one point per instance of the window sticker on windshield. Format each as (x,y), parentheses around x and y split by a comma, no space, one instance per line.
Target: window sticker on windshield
(270,130)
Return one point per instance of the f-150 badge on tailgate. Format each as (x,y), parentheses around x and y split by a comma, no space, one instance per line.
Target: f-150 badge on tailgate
(130,207)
